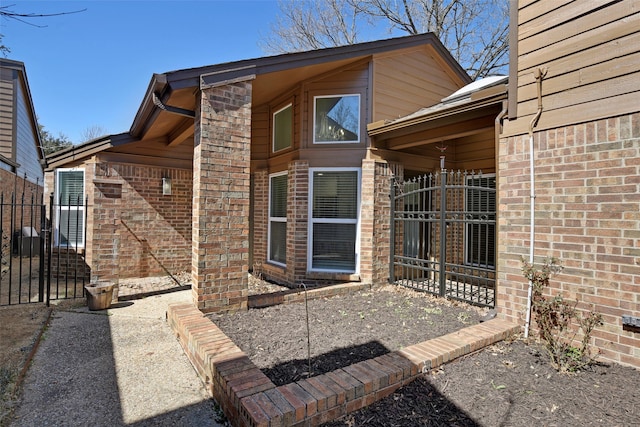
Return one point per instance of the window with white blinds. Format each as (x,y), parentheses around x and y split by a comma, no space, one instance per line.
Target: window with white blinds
(333,220)
(480,239)
(70,200)
(278,219)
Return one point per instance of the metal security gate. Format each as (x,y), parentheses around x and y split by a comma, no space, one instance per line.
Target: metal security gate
(37,261)
(443,234)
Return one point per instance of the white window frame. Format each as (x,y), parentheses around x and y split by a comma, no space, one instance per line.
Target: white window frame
(315,98)
(355,221)
(274,219)
(273,131)
(65,207)
(468,227)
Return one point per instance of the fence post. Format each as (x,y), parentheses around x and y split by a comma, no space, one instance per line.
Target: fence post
(392,231)
(50,247)
(43,253)
(443,232)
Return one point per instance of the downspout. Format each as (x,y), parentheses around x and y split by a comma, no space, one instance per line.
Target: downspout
(539,74)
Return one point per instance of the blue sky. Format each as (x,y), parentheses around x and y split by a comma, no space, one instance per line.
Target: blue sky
(92,68)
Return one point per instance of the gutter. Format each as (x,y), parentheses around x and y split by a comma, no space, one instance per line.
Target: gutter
(539,74)
(157,85)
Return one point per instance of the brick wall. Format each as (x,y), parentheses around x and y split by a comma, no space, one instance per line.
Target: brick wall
(221,185)
(132,229)
(374,243)
(587,215)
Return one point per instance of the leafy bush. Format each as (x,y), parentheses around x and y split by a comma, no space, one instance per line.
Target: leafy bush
(559,322)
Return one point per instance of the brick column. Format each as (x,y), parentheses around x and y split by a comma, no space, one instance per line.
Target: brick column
(382,224)
(221,186)
(297,221)
(260,220)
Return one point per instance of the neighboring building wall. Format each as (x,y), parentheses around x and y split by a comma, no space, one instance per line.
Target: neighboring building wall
(7,105)
(587,164)
(27,197)
(26,150)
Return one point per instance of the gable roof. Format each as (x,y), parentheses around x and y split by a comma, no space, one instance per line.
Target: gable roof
(163,85)
(174,90)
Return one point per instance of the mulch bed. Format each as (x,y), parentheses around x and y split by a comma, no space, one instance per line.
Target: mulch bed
(343,330)
(509,384)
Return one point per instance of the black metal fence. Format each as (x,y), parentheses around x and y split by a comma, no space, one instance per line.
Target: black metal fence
(42,249)
(443,237)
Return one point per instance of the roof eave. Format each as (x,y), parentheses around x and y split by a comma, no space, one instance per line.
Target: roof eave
(380,128)
(78,152)
(164,84)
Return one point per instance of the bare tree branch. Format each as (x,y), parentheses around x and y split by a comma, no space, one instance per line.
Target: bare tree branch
(7,12)
(474,31)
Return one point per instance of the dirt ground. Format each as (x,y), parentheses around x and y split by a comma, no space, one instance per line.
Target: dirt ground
(343,330)
(508,384)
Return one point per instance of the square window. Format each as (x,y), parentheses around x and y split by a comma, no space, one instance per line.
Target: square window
(336,119)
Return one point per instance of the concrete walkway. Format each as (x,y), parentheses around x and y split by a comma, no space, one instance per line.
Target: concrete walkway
(116,367)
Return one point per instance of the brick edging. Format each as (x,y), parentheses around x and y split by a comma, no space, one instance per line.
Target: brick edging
(249,398)
(297,295)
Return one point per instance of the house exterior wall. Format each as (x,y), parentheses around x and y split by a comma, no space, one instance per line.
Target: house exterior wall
(587,165)
(129,221)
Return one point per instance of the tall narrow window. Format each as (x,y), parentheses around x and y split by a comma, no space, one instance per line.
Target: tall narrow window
(336,119)
(283,128)
(333,224)
(70,201)
(278,218)
(480,203)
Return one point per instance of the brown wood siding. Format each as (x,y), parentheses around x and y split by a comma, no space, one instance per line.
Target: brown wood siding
(352,79)
(6,112)
(406,81)
(591,50)
(260,134)
(156,149)
(476,153)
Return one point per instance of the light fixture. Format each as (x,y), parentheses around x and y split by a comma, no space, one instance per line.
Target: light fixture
(166,186)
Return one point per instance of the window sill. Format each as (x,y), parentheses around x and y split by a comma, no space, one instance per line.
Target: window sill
(343,277)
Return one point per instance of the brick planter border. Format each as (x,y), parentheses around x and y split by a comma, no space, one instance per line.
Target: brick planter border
(249,398)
